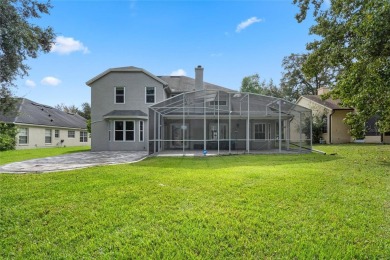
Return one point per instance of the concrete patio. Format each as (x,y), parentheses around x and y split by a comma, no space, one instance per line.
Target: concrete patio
(72,161)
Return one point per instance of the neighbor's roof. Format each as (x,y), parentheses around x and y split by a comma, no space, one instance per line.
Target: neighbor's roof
(328,103)
(124,69)
(180,84)
(126,113)
(32,113)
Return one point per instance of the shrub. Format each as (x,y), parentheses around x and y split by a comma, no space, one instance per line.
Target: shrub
(8,134)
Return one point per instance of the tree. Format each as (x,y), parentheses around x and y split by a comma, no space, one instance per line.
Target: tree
(252,84)
(85,111)
(72,109)
(19,40)
(8,134)
(354,36)
(295,83)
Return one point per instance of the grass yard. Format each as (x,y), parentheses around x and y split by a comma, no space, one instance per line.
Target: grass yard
(265,206)
(27,154)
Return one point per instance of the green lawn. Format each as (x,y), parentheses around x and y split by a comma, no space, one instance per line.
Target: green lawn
(265,207)
(22,155)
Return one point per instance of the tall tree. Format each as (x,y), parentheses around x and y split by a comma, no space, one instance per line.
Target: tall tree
(294,83)
(85,110)
(354,36)
(253,84)
(20,39)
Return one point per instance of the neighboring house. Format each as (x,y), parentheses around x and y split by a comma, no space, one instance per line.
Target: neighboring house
(134,110)
(44,126)
(335,131)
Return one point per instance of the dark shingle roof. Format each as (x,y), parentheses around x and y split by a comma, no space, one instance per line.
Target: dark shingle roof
(126,113)
(180,84)
(329,103)
(32,113)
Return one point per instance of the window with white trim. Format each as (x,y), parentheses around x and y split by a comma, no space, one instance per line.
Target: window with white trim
(150,95)
(141,131)
(119,95)
(56,133)
(71,134)
(23,135)
(124,130)
(260,131)
(47,136)
(83,136)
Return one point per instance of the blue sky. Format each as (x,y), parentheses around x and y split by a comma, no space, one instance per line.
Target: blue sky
(230,39)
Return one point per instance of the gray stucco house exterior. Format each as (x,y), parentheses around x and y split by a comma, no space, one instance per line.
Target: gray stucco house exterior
(135,110)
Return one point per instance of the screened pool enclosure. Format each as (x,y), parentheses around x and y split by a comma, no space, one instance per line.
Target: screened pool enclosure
(219,122)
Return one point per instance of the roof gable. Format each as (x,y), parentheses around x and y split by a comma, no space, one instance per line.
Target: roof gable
(327,103)
(124,69)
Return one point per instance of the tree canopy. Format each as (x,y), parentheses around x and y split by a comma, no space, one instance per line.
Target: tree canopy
(20,39)
(294,83)
(253,84)
(354,35)
(85,111)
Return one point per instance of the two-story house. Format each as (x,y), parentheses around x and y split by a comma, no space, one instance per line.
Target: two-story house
(134,110)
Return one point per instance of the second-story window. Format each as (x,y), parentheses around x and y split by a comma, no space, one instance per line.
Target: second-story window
(119,95)
(150,95)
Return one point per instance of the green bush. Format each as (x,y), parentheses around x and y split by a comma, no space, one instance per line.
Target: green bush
(8,134)
(316,128)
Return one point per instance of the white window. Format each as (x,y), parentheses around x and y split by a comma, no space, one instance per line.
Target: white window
(260,131)
(119,95)
(141,131)
(150,95)
(71,134)
(57,133)
(124,131)
(23,135)
(83,137)
(47,136)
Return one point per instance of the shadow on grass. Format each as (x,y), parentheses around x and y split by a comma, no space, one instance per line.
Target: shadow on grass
(229,161)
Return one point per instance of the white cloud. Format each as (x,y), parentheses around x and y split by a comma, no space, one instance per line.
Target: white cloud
(247,23)
(66,45)
(50,81)
(179,72)
(30,83)
(219,54)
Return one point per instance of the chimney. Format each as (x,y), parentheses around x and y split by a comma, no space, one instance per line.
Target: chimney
(322,91)
(199,78)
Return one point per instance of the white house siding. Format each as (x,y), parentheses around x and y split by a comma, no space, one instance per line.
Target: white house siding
(36,137)
(102,103)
